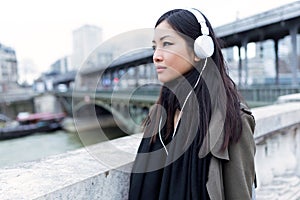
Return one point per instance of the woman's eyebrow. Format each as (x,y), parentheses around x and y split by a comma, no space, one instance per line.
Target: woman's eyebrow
(162,38)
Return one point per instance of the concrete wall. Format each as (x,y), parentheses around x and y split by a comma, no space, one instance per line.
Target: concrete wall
(102,171)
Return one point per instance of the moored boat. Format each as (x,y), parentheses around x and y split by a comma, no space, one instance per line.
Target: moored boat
(26,124)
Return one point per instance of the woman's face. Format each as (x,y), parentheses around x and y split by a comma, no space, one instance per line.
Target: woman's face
(172,57)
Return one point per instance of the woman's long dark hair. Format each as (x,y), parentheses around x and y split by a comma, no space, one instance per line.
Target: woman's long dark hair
(186,24)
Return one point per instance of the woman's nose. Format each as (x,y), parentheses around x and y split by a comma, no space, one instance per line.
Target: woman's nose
(157,56)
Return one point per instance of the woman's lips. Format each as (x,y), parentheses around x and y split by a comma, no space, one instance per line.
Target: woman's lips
(160,69)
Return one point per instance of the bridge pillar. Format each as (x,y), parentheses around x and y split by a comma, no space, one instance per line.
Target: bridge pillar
(244,44)
(276,61)
(137,74)
(240,66)
(294,59)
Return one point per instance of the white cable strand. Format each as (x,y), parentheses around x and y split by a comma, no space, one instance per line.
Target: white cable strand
(180,113)
(187,97)
(162,142)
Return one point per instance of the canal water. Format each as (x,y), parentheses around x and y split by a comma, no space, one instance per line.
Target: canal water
(41,145)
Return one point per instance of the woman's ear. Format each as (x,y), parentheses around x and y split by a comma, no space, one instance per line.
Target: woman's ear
(196,59)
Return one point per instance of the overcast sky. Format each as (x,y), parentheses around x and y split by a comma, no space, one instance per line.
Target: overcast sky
(41,30)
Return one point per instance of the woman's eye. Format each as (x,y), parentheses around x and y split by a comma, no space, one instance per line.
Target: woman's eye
(164,44)
(167,44)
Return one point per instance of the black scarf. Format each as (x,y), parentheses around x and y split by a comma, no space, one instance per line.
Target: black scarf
(181,174)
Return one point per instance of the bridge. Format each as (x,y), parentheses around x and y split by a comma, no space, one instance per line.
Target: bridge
(268,30)
(272,25)
(127,108)
(11,103)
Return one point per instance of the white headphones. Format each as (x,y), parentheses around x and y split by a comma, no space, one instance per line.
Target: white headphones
(204,45)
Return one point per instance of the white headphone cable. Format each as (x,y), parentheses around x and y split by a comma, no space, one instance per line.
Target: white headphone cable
(159,133)
(180,113)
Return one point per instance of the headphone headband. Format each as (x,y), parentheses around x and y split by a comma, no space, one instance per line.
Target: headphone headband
(201,20)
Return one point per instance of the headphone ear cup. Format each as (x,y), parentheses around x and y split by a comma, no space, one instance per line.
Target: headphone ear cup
(204,46)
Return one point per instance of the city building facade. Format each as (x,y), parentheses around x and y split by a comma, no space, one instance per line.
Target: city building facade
(85,40)
(8,67)
(62,65)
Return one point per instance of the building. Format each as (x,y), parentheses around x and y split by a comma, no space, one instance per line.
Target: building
(62,65)
(8,67)
(85,40)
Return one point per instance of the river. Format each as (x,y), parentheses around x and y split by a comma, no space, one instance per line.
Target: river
(42,145)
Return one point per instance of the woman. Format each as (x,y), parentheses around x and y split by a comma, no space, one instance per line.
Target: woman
(198,139)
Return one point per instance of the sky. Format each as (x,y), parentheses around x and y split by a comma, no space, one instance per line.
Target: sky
(40,31)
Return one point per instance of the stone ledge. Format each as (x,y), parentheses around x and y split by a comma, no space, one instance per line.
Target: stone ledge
(275,117)
(72,175)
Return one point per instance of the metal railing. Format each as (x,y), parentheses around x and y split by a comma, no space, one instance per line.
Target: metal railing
(268,94)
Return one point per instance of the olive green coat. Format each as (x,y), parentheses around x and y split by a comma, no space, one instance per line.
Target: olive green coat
(232,172)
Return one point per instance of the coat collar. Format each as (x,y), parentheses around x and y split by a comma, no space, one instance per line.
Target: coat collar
(213,140)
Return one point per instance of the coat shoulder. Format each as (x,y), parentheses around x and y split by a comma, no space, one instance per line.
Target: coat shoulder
(247,115)
(244,108)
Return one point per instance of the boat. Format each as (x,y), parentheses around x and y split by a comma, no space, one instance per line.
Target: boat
(27,124)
